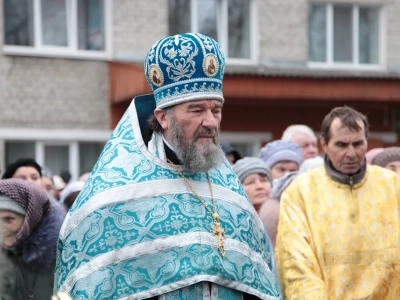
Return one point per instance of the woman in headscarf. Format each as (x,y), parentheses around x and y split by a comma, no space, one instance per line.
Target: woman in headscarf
(31,225)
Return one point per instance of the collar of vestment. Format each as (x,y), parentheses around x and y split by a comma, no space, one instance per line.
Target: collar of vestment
(171,155)
(339,177)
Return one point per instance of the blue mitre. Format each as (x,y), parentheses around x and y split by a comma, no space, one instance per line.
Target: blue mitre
(185,67)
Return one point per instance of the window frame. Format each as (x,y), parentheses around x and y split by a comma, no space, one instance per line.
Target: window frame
(72,50)
(52,137)
(222,30)
(355,65)
(254,140)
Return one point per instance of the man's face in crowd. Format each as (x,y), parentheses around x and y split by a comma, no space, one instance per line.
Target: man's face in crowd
(192,129)
(307,143)
(30,174)
(47,184)
(283,167)
(11,223)
(346,148)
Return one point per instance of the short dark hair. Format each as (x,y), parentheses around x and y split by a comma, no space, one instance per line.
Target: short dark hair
(349,118)
(21,162)
(152,121)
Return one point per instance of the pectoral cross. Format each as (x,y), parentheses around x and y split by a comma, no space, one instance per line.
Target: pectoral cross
(220,233)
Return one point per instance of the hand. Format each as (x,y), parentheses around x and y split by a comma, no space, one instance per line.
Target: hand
(61,296)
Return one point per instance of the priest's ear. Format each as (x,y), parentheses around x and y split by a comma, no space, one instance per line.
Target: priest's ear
(162,118)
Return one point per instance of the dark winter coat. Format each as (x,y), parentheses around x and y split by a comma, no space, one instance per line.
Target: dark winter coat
(29,273)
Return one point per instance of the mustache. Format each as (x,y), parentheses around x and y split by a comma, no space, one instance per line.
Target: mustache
(207,132)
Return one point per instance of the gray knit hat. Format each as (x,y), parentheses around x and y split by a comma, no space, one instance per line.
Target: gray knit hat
(279,150)
(387,156)
(6,203)
(250,165)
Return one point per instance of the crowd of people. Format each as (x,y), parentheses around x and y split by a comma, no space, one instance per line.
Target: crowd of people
(33,205)
(267,176)
(169,212)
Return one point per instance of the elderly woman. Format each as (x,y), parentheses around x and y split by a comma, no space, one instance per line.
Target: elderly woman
(30,224)
(256,179)
(281,157)
(389,158)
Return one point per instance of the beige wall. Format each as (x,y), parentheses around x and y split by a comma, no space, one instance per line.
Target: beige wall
(393,33)
(52,93)
(137,25)
(73,93)
(283,29)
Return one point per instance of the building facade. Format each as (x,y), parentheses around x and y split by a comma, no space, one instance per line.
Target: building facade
(288,62)
(70,68)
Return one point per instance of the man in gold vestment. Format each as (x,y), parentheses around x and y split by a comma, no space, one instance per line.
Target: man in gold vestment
(339,228)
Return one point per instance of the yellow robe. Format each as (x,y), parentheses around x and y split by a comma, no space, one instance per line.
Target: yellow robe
(340,242)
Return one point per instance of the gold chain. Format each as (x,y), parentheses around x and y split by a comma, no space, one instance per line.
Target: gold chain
(217,230)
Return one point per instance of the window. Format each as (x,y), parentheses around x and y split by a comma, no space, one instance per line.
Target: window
(246,143)
(344,35)
(56,27)
(227,21)
(88,155)
(16,150)
(77,157)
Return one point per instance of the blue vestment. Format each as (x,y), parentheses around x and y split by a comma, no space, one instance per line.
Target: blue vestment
(137,231)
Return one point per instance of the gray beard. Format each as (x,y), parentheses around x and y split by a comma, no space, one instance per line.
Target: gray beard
(192,158)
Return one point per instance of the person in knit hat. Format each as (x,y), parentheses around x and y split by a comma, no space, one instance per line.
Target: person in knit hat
(256,179)
(369,156)
(31,225)
(281,157)
(389,158)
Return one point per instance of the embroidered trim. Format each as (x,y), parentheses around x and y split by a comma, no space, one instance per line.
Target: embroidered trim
(152,247)
(202,82)
(138,191)
(360,257)
(190,97)
(200,278)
